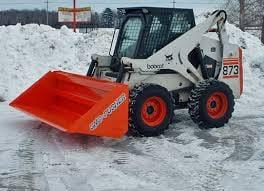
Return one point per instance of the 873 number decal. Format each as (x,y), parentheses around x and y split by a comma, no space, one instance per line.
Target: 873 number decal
(231,70)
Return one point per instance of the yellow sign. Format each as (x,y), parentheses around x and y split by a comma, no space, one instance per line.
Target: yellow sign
(64,9)
(82,14)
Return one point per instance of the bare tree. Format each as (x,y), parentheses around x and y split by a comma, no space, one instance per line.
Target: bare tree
(262,31)
(246,14)
(242,14)
(12,17)
(251,9)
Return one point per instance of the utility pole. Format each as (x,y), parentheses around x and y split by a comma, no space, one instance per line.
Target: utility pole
(242,15)
(47,12)
(174,3)
(74,15)
(262,31)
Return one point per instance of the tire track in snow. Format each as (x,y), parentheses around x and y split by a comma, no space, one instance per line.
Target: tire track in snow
(123,150)
(150,166)
(22,161)
(210,178)
(244,143)
(120,157)
(24,174)
(237,141)
(60,171)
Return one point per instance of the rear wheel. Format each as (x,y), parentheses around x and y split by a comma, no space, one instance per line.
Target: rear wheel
(211,104)
(151,109)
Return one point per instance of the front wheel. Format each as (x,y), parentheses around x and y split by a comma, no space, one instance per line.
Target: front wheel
(151,109)
(211,104)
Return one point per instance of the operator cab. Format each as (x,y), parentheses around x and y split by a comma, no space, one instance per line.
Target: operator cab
(146,30)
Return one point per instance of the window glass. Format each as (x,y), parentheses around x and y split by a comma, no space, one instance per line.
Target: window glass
(130,37)
(179,23)
(158,33)
(163,29)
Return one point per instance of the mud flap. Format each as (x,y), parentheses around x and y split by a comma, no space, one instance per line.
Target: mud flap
(77,104)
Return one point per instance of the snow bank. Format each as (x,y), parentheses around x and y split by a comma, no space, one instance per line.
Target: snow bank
(27,52)
(253,63)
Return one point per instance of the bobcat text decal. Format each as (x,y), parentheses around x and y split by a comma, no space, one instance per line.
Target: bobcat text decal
(154,66)
(99,120)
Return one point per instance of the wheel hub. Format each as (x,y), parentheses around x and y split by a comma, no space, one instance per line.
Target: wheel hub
(217,105)
(154,111)
(213,104)
(150,110)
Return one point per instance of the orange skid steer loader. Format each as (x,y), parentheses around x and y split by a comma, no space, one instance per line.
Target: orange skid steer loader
(161,62)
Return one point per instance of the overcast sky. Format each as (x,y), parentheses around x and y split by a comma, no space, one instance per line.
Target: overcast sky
(99,5)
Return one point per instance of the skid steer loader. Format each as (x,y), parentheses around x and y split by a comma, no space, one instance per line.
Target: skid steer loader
(161,62)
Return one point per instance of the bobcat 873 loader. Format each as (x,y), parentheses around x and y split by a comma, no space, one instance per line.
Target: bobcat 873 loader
(161,62)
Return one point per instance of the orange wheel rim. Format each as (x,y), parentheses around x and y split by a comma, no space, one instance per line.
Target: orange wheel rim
(153,111)
(217,105)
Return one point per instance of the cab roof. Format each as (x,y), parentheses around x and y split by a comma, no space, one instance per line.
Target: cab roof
(154,10)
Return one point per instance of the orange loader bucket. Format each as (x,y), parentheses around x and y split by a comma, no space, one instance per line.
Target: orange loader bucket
(77,104)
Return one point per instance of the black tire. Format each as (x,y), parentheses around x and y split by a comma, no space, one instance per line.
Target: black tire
(138,96)
(200,106)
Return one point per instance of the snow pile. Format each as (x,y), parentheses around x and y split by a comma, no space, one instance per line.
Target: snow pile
(27,52)
(253,63)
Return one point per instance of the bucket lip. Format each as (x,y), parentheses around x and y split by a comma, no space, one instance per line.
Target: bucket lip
(41,120)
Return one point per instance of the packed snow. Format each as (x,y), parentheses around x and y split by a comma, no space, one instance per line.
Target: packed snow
(35,156)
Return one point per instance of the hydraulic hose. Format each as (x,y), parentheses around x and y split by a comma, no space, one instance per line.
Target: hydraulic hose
(120,73)
(91,69)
